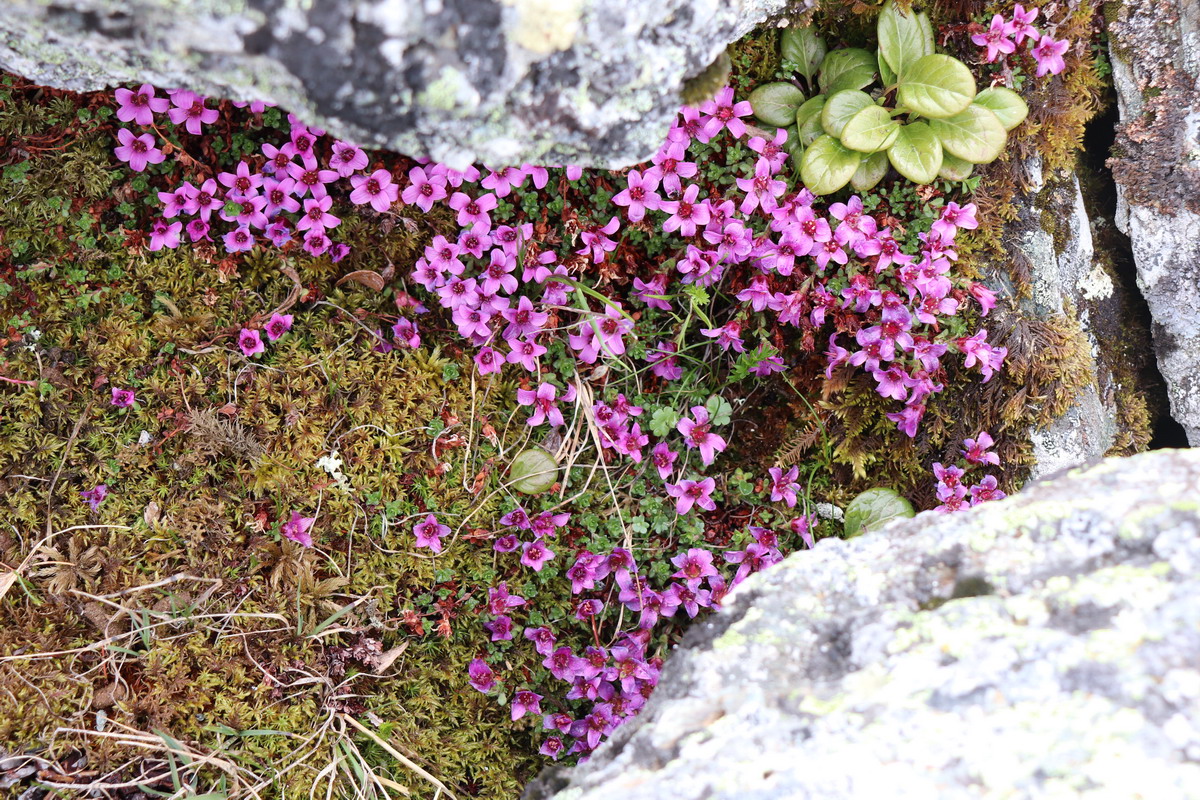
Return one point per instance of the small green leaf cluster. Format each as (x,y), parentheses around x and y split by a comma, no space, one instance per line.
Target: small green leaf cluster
(903,105)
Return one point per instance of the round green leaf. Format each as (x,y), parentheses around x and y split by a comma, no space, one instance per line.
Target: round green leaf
(917,153)
(937,86)
(808,120)
(974,135)
(828,166)
(848,68)
(901,37)
(792,143)
(954,168)
(873,509)
(533,471)
(1008,106)
(805,48)
(870,172)
(840,107)
(776,103)
(870,130)
(887,75)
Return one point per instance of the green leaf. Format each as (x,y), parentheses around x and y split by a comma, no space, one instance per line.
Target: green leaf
(840,107)
(663,421)
(849,68)
(719,410)
(873,509)
(954,168)
(870,172)
(776,103)
(917,153)
(887,76)
(828,165)
(533,471)
(937,86)
(901,38)
(974,135)
(805,48)
(870,130)
(792,143)
(1008,106)
(808,120)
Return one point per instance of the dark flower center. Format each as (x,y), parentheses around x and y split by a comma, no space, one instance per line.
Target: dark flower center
(372,186)
(140,99)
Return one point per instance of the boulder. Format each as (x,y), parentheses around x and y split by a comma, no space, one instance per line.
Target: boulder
(1155,50)
(1045,645)
(588,82)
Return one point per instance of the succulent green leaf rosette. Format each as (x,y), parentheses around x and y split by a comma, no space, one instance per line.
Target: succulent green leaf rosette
(808,120)
(776,103)
(903,38)
(916,153)
(937,86)
(873,509)
(840,107)
(850,68)
(805,48)
(1008,106)
(974,134)
(870,130)
(533,471)
(828,165)
(870,172)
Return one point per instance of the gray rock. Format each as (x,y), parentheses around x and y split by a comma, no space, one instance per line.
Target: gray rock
(1155,48)
(589,82)
(1047,645)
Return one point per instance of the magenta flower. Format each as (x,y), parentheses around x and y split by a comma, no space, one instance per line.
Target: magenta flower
(297,529)
(500,600)
(1049,55)
(986,490)
(772,152)
(137,151)
(685,213)
(596,240)
(242,182)
(784,485)
(978,351)
(347,159)
(663,459)
(197,229)
(189,109)
(1021,25)
(316,243)
(669,167)
(123,398)
(688,493)
(523,319)
(995,40)
(164,234)
(278,325)
(975,450)
(908,419)
(423,190)
(429,533)
(500,628)
(481,676)
(239,240)
(725,113)
(473,213)
(728,336)
(802,527)
(250,342)
(140,106)
(552,746)
(249,211)
(535,554)
(698,434)
(316,215)
(376,189)
(663,362)
(278,233)
(95,496)
(694,566)
(176,202)
(278,194)
(639,196)
(763,190)
(488,361)
(504,180)
(653,292)
(525,353)
(204,200)
(543,639)
(526,702)
(544,405)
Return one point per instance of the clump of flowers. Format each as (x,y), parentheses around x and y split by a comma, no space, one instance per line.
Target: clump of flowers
(1003,36)
(953,492)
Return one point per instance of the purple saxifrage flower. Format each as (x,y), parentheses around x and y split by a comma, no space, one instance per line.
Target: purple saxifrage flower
(429,533)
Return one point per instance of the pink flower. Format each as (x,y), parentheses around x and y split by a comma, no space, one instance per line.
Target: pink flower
(725,113)
(123,398)
(525,353)
(596,240)
(238,240)
(802,527)
(278,325)
(429,533)
(772,152)
(189,109)
(694,566)
(552,746)
(639,196)
(526,702)
(669,167)
(347,159)
(488,361)
(763,190)
(908,419)
(376,189)
(544,405)
(250,343)
(310,178)
(727,336)
(663,459)
(653,292)
(242,182)
(297,529)
(535,554)
(504,180)
(975,450)
(995,39)
(986,490)
(1021,25)
(698,433)
(163,235)
(685,213)
(688,493)
(95,496)
(317,217)
(137,151)
(1049,55)
(140,106)
(473,213)
(405,330)
(481,676)
(784,485)
(423,190)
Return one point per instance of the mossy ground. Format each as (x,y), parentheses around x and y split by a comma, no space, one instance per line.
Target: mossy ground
(172,636)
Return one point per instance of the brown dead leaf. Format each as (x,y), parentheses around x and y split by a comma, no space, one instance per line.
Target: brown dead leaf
(366,277)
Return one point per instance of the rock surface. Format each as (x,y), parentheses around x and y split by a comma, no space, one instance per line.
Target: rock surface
(1155,48)
(1046,645)
(584,82)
